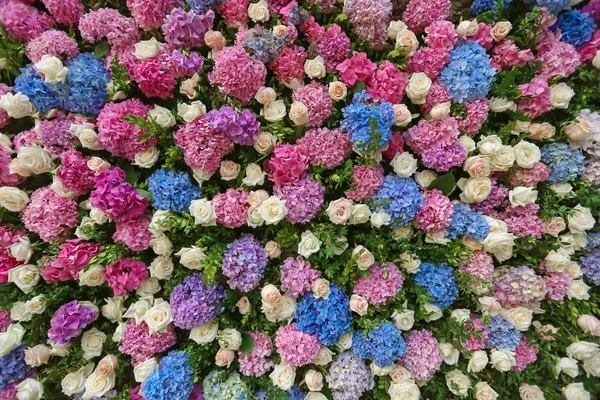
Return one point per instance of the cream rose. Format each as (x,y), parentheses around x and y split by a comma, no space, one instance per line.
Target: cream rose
(560,95)
(403,115)
(265,95)
(143,369)
(500,245)
(557,260)
(568,366)
(92,276)
(581,221)
(526,154)
(360,214)
(501,104)
(189,112)
(147,158)
(265,143)
(107,365)
(457,382)
(503,159)
(283,376)
(477,167)
(97,165)
(161,245)
(270,296)
(13,199)
(425,177)
(21,249)
(192,257)
(394,28)
(380,218)
(52,68)
(205,333)
(11,338)
(405,390)
(364,258)
(478,361)
(337,90)
(203,212)
(324,357)
(589,324)
(449,354)
(576,134)
(339,211)
(161,268)
(418,87)
(224,357)
(74,382)
(345,341)
(410,263)
(408,41)
(298,113)
(502,360)
(273,249)
(149,287)
(575,391)
(214,40)
(97,385)
(467,28)
(313,380)
(433,312)
(359,304)
(274,111)
(243,305)
(30,389)
(474,190)
(315,68)
(519,317)
(24,276)
(37,356)
(146,49)
(92,342)
(159,316)
(113,309)
(483,391)
(229,170)
(541,131)
(582,350)
(489,145)
(530,392)
(555,226)
(35,159)
(500,30)
(404,164)
(309,244)
(320,288)
(162,116)
(259,12)
(17,105)
(272,210)
(522,196)
(440,110)
(19,312)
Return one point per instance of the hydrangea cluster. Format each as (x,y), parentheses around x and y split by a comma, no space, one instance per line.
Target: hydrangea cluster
(317,101)
(288,164)
(502,335)
(576,27)
(231,207)
(125,275)
(419,15)
(194,303)
(109,24)
(349,377)
(422,358)
(565,162)
(74,174)
(241,128)
(387,84)
(370,19)
(381,285)
(141,344)
(384,345)
(326,147)
(172,190)
(480,265)
(333,45)
(590,266)
(478,336)
(400,198)
(218,384)
(297,276)
(466,222)
(295,347)
(73,257)
(69,321)
(244,263)
(436,213)
(257,362)
(187,29)
(172,379)
(366,181)
(12,366)
(50,215)
(368,124)
(438,281)
(303,199)
(518,286)
(524,355)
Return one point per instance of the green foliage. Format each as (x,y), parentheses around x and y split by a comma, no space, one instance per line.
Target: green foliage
(111,253)
(508,81)
(446,183)
(529,27)
(120,77)
(13,53)
(101,49)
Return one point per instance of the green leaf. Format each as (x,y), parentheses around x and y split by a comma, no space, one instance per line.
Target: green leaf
(247,344)
(101,49)
(146,194)
(130,174)
(359,87)
(445,183)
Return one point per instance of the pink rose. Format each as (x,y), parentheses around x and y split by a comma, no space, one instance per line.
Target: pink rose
(359,304)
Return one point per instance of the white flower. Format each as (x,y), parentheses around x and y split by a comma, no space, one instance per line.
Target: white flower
(403,115)
(461,315)
(11,338)
(425,177)
(578,290)
(159,316)
(163,116)
(501,104)
(315,68)
(404,164)
(161,245)
(467,28)
(440,110)
(272,210)
(337,90)
(309,244)
(36,305)
(581,221)
(203,212)
(92,342)
(560,95)
(568,366)
(284,310)
(224,357)
(530,392)
(433,312)
(410,263)
(97,385)
(359,304)
(313,380)
(147,158)
(243,305)
(404,320)
(339,211)
(205,333)
(575,391)
(591,365)
(364,258)
(582,350)
(92,276)
(405,390)
(522,196)
(283,376)
(113,309)
(519,317)
(596,60)
(557,260)
(35,160)
(73,382)
(265,95)
(259,12)
(466,142)
(13,199)
(479,360)
(321,289)
(52,68)
(376,370)
(360,214)
(30,389)
(500,245)
(380,218)
(324,357)
(17,105)
(298,113)
(229,170)
(449,353)
(503,159)
(146,49)
(143,369)
(230,339)
(21,249)
(37,355)
(189,112)
(502,360)
(457,382)
(192,257)
(408,40)
(562,189)
(418,87)
(527,154)
(315,396)
(474,190)
(500,30)
(265,143)
(394,28)
(345,341)
(488,145)
(19,312)
(24,276)
(477,167)
(483,391)
(161,268)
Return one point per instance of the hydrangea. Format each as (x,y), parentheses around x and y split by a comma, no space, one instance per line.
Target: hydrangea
(507,55)
(326,147)
(327,319)
(194,303)
(119,200)
(514,287)
(264,44)
(466,222)
(441,35)
(24,21)
(400,198)
(244,263)
(427,134)
(187,29)
(288,164)
(297,276)
(50,215)
(369,19)
(349,377)
(317,101)
(295,393)
(303,199)
(172,190)
(422,358)
(388,83)
(566,163)
(428,60)
(382,284)
(383,345)
(73,257)
(468,75)
(172,380)
(356,68)
(87,80)
(333,46)
(576,27)
(368,124)
(295,347)
(535,97)
(69,321)
(242,128)
(134,233)
(52,42)
(366,181)
(438,281)
(150,14)
(12,366)
(524,355)
(257,363)
(74,173)
(502,334)
(44,96)
(524,221)
(202,6)
(289,65)
(478,336)
(141,344)
(480,265)
(481,6)
(554,6)
(231,207)
(590,266)
(125,275)
(109,24)
(421,14)
(436,213)
(221,385)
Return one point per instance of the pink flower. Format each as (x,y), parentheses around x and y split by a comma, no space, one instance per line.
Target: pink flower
(388,83)
(437,94)
(420,14)
(119,31)
(537,97)
(475,342)
(480,265)
(73,257)
(287,164)
(134,233)
(289,65)
(429,61)
(441,35)
(558,59)
(231,207)
(23,21)
(435,214)
(74,174)
(333,45)
(139,343)
(477,113)
(66,12)
(52,42)
(524,355)
(382,284)
(356,68)
(257,362)
(483,36)
(326,147)
(366,181)
(234,12)
(237,74)
(153,80)
(442,132)
(296,348)
(422,358)
(50,215)
(150,14)
(395,146)
(297,276)
(125,275)
(316,99)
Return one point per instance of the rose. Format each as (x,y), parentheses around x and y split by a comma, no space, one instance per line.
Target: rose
(337,90)
(192,257)
(449,354)
(17,105)
(283,376)
(522,196)
(440,110)
(229,170)
(298,113)
(526,154)
(147,158)
(273,249)
(272,210)
(92,342)
(360,214)
(274,111)
(433,312)
(489,305)
(19,312)
(97,164)
(339,211)
(400,374)
(582,350)
(560,95)
(24,276)
(11,338)
(313,380)
(483,391)
(576,133)
(519,317)
(562,189)
(146,49)
(596,60)
(243,305)
(161,268)
(500,30)
(380,218)
(52,68)
(13,199)
(403,115)
(589,324)
(345,341)
(405,390)
(162,116)
(200,176)
(418,87)
(500,245)
(30,389)
(404,164)
(320,288)
(359,304)
(205,333)
(143,369)
(489,145)
(309,244)
(478,361)
(555,226)
(324,357)
(404,320)
(188,87)
(224,357)
(394,28)
(591,365)
(113,309)
(159,316)
(265,143)
(265,95)
(37,356)
(568,366)
(457,382)
(21,249)
(376,370)
(425,177)
(408,41)
(467,28)
(575,391)
(557,260)
(364,258)
(92,276)
(107,365)
(256,197)
(189,112)
(315,68)
(259,12)
(253,219)
(97,385)
(35,159)
(503,159)
(74,382)
(501,104)
(315,396)
(161,245)
(270,296)
(410,263)
(474,190)
(214,40)
(582,220)
(530,392)
(502,360)
(477,167)
(203,212)
(461,315)
(541,131)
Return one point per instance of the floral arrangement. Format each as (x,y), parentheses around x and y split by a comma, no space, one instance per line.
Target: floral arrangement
(299,199)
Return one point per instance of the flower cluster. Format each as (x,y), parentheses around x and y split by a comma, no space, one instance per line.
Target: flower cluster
(438,281)
(384,345)
(194,303)
(244,263)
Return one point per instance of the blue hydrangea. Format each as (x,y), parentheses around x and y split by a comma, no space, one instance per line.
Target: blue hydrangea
(87,81)
(172,190)
(554,6)
(172,380)
(383,345)
(368,124)
(439,283)
(295,393)
(593,240)
(44,96)
(468,75)
(327,319)
(502,335)
(12,366)
(481,6)
(221,385)
(566,163)
(576,27)
(590,266)
(467,222)
(202,6)
(400,198)
(264,45)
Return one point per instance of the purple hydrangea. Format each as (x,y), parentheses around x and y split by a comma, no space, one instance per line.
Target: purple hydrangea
(590,266)
(241,128)
(244,263)
(297,276)
(12,367)
(68,322)
(194,303)
(303,199)
(502,335)
(349,377)
(187,29)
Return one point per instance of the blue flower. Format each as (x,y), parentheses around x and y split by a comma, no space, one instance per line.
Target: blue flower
(400,198)
(481,6)
(264,45)
(295,393)
(502,335)
(172,190)
(327,319)
(368,124)
(44,96)
(439,283)
(466,222)
(12,366)
(219,385)
(593,240)
(172,380)
(566,163)
(590,266)
(576,28)
(383,345)
(468,75)
(87,81)
(554,6)
(202,6)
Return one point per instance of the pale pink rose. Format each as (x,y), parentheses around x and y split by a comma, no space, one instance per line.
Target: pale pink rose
(359,304)
(215,40)
(224,357)
(273,249)
(589,324)
(37,355)
(340,211)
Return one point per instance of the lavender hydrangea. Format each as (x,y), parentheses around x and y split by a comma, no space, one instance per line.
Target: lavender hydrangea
(187,29)
(303,199)
(566,163)
(502,335)
(438,281)
(400,198)
(241,128)
(383,345)
(349,377)
(12,366)
(69,321)
(244,263)
(590,266)
(264,45)
(194,303)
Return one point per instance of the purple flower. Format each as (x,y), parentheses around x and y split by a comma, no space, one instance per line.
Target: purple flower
(194,303)
(68,322)
(297,276)
(118,199)
(303,199)
(241,128)
(244,263)
(187,29)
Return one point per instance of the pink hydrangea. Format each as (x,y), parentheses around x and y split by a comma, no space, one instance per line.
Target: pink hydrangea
(52,42)
(422,358)
(134,233)
(426,134)
(152,79)
(388,83)
(529,177)
(315,33)
(524,355)
(382,284)
(119,136)
(289,65)
(523,220)
(326,147)
(109,24)
(66,12)
(437,94)
(74,174)
(593,7)
(288,164)
(231,207)
(150,14)
(55,133)
(297,276)
(4,118)
(480,265)
(369,19)
(237,74)
(506,55)
(420,14)
(588,50)
(479,334)
(483,36)
(125,275)
(441,35)
(50,215)
(257,362)
(395,146)
(139,343)
(303,199)
(333,46)
(477,113)
(7,178)
(435,214)
(558,59)
(5,320)
(557,285)
(535,97)
(7,262)
(73,257)
(234,12)
(428,60)
(518,286)
(316,98)
(296,348)
(28,138)
(356,68)
(23,21)
(442,158)
(366,181)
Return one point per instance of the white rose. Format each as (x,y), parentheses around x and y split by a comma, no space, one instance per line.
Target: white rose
(189,112)
(324,357)
(425,177)
(149,287)
(200,176)
(146,49)
(596,60)
(530,392)
(562,189)
(19,312)
(477,167)
(309,244)
(404,164)
(92,342)
(36,304)
(270,296)
(418,87)
(35,159)
(457,382)
(500,245)
(313,380)
(501,105)
(410,263)
(37,356)
(259,12)
(521,196)
(147,158)
(74,382)
(92,276)
(229,170)
(97,385)
(380,218)
(283,376)
(500,30)
(272,210)
(376,370)
(159,316)
(467,28)
(582,350)
(591,365)
(403,115)
(113,309)
(582,220)
(14,200)
(203,212)
(360,214)
(474,190)
(440,110)
(17,105)
(224,357)
(405,390)
(339,211)
(265,143)
(321,289)
(364,258)
(555,226)
(489,145)
(589,324)
(568,366)
(315,68)
(404,320)
(53,69)
(359,304)
(541,131)
(478,361)
(557,260)
(461,315)
(243,305)
(519,317)
(192,257)
(273,249)
(503,159)
(30,389)
(11,338)
(575,391)
(394,28)
(24,276)
(161,245)
(483,391)
(21,249)
(230,339)
(408,40)
(205,333)
(143,369)
(337,90)
(560,95)
(433,312)
(526,154)
(315,396)
(298,113)
(489,305)
(161,268)
(345,341)
(162,116)
(502,360)
(449,353)
(265,95)
(274,111)
(284,310)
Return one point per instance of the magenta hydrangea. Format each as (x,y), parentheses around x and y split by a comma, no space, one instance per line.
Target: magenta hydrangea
(428,60)
(231,207)
(257,362)
(55,133)
(436,213)
(237,74)
(150,14)
(73,257)
(382,284)
(477,114)
(69,321)
(441,35)
(66,12)
(53,42)
(356,68)
(297,276)
(74,174)
(421,14)
(529,177)
(525,354)
(296,348)
(289,65)
(141,344)
(326,147)
(366,181)
(506,55)
(288,164)
(535,97)
(125,275)
(422,358)
(388,83)
(186,28)
(316,98)
(477,337)
(333,46)
(23,21)
(524,221)
(558,59)
(234,12)
(50,215)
